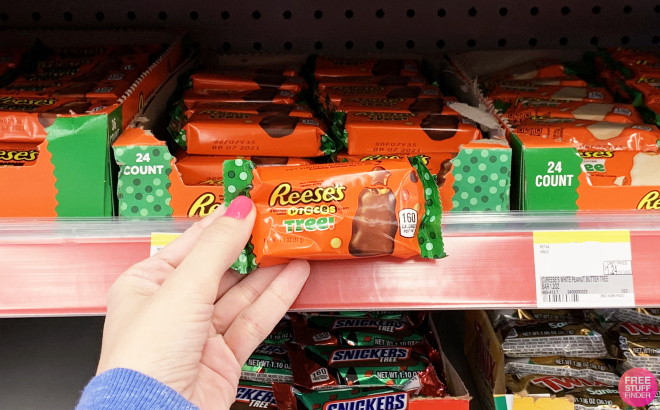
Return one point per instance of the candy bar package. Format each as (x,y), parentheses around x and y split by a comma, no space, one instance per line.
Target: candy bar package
(372,133)
(250,395)
(638,344)
(211,132)
(338,211)
(292,110)
(333,96)
(269,363)
(371,81)
(437,164)
(266,95)
(593,135)
(636,315)
(505,95)
(353,331)
(325,66)
(530,70)
(207,169)
(18,154)
(590,369)
(534,339)
(533,109)
(440,105)
(290,398)
(332,367)
(212,81)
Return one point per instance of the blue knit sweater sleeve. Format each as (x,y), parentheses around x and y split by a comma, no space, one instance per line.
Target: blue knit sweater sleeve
(127,389)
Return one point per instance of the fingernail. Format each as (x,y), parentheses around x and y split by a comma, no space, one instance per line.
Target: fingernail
(239,208)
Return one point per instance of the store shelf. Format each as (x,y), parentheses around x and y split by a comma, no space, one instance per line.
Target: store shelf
(65,267)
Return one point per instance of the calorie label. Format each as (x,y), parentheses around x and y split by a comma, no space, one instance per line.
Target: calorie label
(579,269)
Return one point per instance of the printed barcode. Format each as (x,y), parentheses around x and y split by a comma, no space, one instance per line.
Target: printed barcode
(561,298)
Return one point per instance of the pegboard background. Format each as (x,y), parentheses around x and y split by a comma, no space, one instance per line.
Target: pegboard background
(300,26)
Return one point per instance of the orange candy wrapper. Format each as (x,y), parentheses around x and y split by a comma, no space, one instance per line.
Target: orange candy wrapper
(370,133)
(437,164)
(17,154)
(292,110)
(536,69)
(20,124)
(338,211)
(349,67)
(333,96)
(213,81)
(510,93)
(211,132)
(372,81)
(617,168)
(623,113)
(273,96)
(207,170)
(440,105)
(593,135)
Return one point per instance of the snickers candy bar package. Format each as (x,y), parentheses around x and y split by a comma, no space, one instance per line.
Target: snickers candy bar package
(336,367)
(623,113)
(635,315)
(370,133)
(212,132)
(350,398)
(269,363)
(534,339)
(251,395)
(353,331)
(325,66)
(593,135)
(338,211)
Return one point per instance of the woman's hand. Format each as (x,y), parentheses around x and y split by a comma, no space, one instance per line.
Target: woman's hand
(184,319)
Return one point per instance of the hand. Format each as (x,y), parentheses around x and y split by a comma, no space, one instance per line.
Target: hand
(184,319)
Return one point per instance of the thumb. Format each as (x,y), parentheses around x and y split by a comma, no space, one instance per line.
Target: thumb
(218,247)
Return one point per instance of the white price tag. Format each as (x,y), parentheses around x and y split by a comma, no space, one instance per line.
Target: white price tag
(160,240)
(580,269)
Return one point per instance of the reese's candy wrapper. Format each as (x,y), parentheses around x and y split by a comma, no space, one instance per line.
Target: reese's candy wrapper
(269,363)
(292,110)
(353,331)
(622,113)
(251,395)
(331,367)
(14,154)
(534,339)
(338,211)
(587,394)
(371,81)
(369,133)
(393,105)
(567,81)
(25,119)
(506,95)
(266,95)
(207,169)
(647,85)
(618,168)
(593,135)
(290,70)
(350,67)
(530,70)
(438,165)
(589,369)
(638,344)
(290,398)
(214,81)
(212,132)
(334,95)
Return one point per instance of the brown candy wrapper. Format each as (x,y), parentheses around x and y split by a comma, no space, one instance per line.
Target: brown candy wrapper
(534,339)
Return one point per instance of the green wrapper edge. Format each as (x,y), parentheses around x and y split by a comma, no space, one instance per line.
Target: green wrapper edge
(237,180)
(429,235)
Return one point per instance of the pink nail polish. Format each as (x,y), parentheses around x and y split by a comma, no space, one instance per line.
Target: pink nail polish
(239,208)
